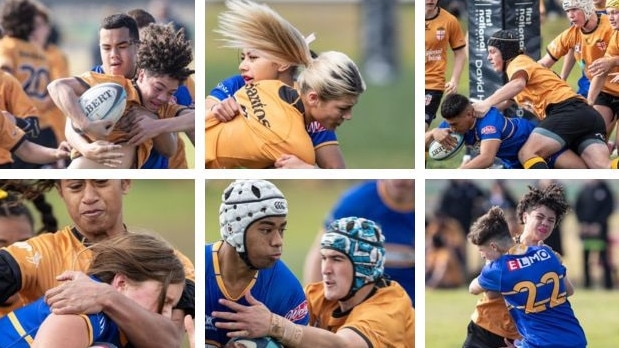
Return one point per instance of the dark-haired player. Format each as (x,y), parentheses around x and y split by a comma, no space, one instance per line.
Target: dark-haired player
(566,120)
(252,221)
(494,136)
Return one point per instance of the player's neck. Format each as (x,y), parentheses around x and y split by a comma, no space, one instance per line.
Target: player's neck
(359,297)
(432,13)
(234,270)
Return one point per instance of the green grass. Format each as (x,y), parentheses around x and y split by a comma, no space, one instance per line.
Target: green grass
(381,133)
(550,29)
(448,312)
(309,201)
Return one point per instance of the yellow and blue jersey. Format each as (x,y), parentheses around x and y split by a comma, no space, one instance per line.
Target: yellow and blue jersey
(276,287)
(20,327)
(319,134)
(155,160)
(532,282)
(397,223)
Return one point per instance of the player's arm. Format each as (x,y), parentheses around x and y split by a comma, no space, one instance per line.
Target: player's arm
(330,157)
(456,73)
(548,61)
(35,153)
(100,151)
(487,152)
(257,321)
(568,64)
(62,331)
(145,126)
(142,327)
(475,288)
(507,92)
(65,93)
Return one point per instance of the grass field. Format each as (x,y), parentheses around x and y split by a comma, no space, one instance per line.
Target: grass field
(448,312)
(550,29)
(381,134)
(308,203)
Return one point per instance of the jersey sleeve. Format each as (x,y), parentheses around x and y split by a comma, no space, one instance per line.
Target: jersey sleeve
(296,302)
(490,277)
(560,45)
(489,126)
(320,135)
(227,87)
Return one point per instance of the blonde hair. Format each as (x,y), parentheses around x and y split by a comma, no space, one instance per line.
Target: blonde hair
(247,24)
(333,75)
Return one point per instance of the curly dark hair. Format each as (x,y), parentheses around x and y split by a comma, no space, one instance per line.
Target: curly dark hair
(34,191)
(17,17)
(164,51)
(553,197)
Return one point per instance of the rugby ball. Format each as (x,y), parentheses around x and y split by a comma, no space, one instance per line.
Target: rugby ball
(105,101)
(438,152)
(260,342)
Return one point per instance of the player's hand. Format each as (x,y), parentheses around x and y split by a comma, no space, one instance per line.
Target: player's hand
(143,127)
(615,78)
(98,129)
(190,329)
(450,87)
(104,152)
(226,110)
(291,162)
(63,151)
(481,109)
(599,67)
(246,321)
(508,344)
(77,294)
(442,136)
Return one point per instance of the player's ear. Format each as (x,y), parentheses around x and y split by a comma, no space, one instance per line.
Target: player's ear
(312,98)
(119,282)
(283,67)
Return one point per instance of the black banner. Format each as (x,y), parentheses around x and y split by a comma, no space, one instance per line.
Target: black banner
(523,17)
(485,17)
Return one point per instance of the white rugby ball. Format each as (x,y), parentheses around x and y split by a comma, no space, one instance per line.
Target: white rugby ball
(105,101)
(438,152)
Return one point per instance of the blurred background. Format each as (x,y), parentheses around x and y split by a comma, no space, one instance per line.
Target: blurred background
(380,134)
(453,205)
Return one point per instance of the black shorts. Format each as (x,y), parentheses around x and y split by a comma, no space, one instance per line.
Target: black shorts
(433,101)
(609,101)
(478,337)
(573,123)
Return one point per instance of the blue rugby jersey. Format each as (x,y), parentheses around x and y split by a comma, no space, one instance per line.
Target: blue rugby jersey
(531,280)
(19,327)
(276,287)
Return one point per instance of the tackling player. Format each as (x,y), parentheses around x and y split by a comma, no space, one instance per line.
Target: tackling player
(567,121)
(95,208)
(531,280)
(142,267)
(391,204)
(354,305)
(252,220)
(160,73)
(539,211)
(494,135)
(276,116)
